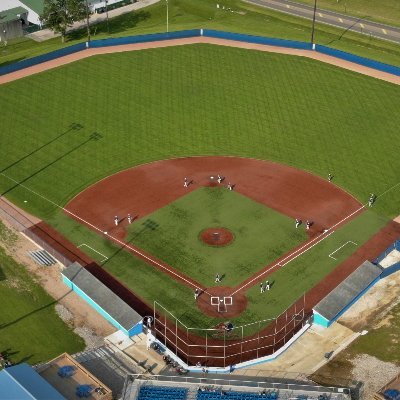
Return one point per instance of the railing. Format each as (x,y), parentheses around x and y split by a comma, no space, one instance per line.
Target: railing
(391,69)
(219,347)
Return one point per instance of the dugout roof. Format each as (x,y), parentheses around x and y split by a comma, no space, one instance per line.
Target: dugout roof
(126,316)
(348,290)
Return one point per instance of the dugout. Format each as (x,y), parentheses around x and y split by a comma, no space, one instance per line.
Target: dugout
(330,308)
(102,299)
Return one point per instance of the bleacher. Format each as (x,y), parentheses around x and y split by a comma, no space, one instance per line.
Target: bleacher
(233,395)
(225,387)
(150,392)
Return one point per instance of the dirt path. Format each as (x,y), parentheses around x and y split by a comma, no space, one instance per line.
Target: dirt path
(177,42)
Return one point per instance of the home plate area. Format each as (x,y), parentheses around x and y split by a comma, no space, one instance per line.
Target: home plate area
(222,302)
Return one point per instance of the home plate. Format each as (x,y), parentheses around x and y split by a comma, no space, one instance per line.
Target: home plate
(120,340)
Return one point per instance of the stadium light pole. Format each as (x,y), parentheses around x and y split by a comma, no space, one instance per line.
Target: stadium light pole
(167,17)
(313,23)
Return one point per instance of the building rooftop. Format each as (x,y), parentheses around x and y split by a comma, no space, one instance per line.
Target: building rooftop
(13,14)
(68,383)
(22,382)
(34,5)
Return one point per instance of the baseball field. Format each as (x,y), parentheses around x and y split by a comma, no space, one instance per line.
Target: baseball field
(86,121)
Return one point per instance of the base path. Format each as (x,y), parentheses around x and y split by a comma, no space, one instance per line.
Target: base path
(290,191)
(177,42)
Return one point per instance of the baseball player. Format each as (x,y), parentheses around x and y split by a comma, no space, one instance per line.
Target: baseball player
(267,285)
(116,220)
(196,293)
(330,177)
(130,219)
(230,186)
(298,222)
(185,182)
(262,288)
(371,200)
(308,224)
(219,178)
(217,278)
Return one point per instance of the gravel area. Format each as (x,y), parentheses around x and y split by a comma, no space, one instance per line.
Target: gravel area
(373,372)
(92,340)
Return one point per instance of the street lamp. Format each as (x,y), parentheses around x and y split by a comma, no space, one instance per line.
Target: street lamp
(313,23)
(167,17)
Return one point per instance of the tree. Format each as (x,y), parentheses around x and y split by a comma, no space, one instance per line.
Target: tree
(59,15)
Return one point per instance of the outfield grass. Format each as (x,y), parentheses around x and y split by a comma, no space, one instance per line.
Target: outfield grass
(385,11)
(196,100)
(30,329)
(189,14)
(261,235)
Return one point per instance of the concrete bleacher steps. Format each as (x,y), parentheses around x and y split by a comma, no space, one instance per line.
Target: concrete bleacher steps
(42,257)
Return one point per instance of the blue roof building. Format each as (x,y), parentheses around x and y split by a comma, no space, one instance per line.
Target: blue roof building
(22,382)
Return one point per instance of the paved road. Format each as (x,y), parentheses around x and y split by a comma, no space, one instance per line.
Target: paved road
(346,22)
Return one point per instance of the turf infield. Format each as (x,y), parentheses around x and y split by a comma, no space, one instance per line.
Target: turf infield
(261,235)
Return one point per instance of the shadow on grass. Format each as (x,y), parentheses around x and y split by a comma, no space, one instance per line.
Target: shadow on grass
(2,274)
(116,25)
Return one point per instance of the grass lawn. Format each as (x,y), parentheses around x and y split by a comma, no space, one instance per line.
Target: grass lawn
(189,14)
(385,11)
(261,235)
(30,329)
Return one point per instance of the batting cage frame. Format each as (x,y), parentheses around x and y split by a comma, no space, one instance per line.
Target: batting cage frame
(224,345)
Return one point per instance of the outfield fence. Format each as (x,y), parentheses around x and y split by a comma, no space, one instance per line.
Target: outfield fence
(377,65)
(222,347)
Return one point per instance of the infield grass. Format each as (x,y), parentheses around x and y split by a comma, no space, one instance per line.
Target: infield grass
(288,283)
(30,329)
(261,235)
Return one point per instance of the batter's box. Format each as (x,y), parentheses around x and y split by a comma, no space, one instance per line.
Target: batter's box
(214,301)
(228,300)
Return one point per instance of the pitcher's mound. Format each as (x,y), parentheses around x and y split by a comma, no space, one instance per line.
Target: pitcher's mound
(217,236)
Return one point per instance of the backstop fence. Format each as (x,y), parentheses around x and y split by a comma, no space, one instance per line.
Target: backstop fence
(227,344)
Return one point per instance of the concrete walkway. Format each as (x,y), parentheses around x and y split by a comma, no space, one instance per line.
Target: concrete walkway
(47,34)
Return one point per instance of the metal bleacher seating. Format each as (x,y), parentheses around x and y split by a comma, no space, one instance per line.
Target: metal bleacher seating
(148,392)
(232,395)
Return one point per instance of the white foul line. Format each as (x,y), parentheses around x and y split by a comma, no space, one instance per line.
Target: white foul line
(305,248)
(330,255)
(91,248)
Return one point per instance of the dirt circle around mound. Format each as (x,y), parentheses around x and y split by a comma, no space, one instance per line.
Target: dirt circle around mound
(229,306)
(216,237)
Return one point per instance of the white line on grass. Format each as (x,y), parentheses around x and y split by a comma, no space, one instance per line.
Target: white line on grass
(330,255)
(121,243)
(91,248)
(305,248)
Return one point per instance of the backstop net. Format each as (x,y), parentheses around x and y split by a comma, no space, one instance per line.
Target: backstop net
(227,344)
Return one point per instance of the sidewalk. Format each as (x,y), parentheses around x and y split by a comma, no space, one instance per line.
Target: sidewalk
(47,34)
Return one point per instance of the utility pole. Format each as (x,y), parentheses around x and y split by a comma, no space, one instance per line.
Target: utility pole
(313,23)
(167,17)
(87,21)
(108,26)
